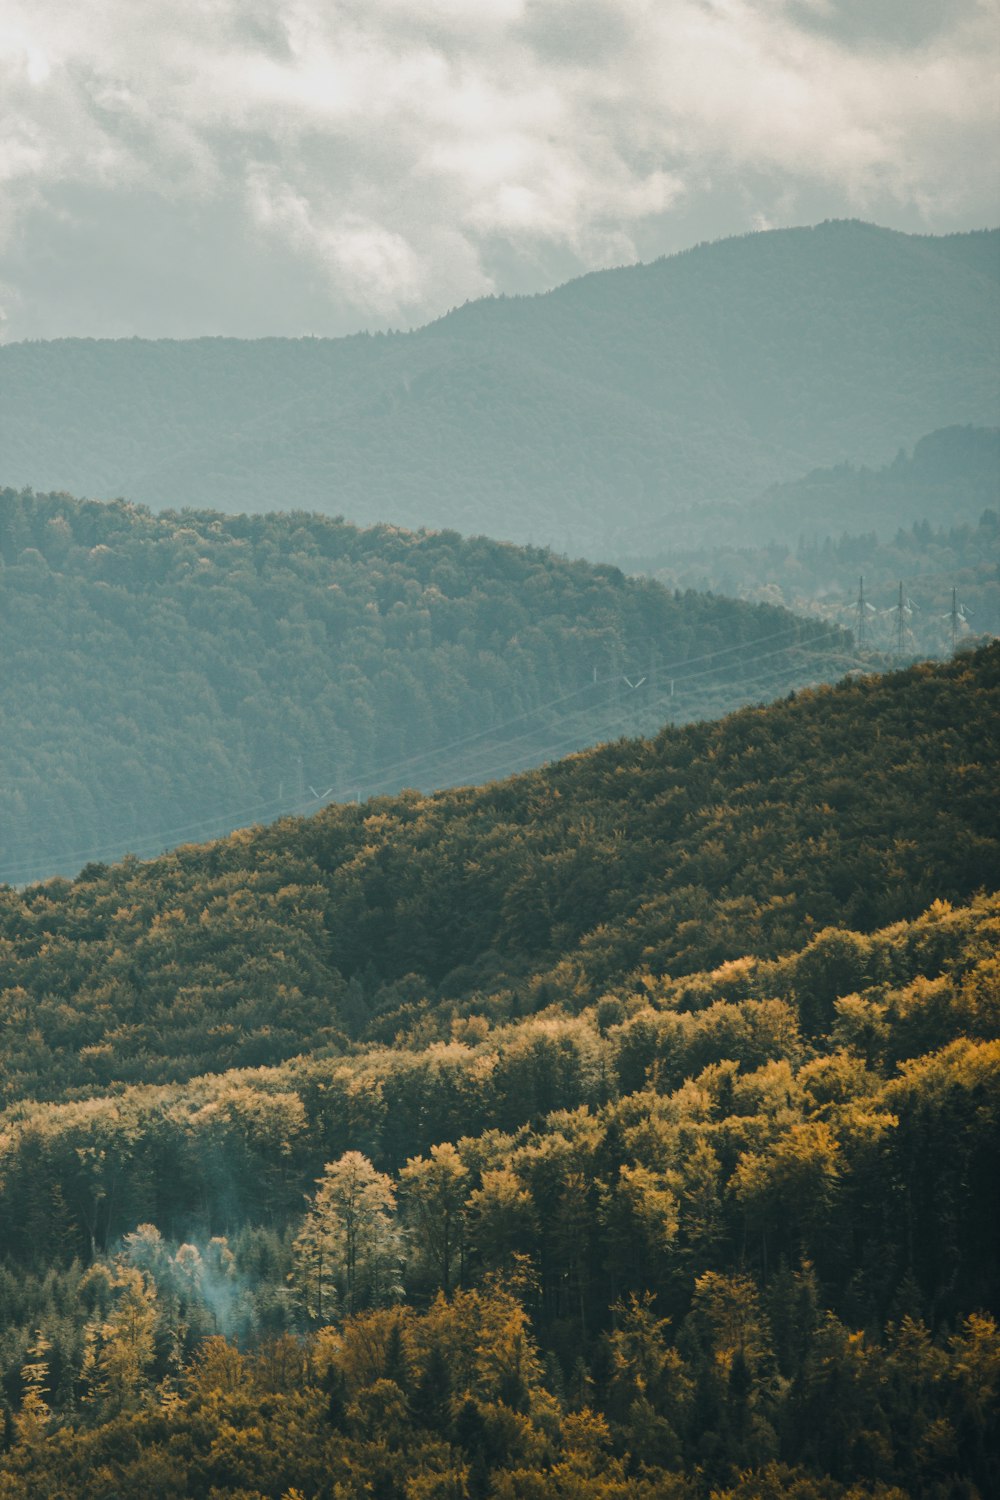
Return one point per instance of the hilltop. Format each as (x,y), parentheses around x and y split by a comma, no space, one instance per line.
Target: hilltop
(583,418)
(951,476)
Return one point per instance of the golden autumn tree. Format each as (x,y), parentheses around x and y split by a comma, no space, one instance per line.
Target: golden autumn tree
(350,1245)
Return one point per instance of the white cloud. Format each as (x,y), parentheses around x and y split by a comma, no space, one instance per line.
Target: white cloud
(373,267)
(396,152)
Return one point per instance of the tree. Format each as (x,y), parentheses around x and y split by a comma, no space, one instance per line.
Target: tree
(33,1418)
(350,1243)
(790,1190)
(435,1190)
(119,1349)
(502,1216)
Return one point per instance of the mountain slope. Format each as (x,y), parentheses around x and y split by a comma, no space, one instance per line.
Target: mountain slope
(675,1207)
(582,418)
(559,1225)
(952,475)
(828,528)
(857,806)
(176,676)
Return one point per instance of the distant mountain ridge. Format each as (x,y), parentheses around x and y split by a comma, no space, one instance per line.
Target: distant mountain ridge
(952,475)
(584,418)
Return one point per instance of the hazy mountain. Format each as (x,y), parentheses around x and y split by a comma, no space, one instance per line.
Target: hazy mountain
(921,593)
(175,676)
(951,475)
(583,418)
(928,521)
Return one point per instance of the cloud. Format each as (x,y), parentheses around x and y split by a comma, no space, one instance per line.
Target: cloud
(373,161)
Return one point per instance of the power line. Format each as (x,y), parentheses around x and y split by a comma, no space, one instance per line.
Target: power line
(617,720)
(388,776)
(677,669)
(224,822)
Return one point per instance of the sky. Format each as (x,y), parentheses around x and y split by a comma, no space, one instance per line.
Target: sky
(261,167)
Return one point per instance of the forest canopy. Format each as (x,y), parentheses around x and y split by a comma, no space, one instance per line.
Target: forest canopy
(628,1128)
(663,1247)
(854,806)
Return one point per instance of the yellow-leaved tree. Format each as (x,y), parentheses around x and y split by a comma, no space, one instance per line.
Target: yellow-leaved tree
(348,1253)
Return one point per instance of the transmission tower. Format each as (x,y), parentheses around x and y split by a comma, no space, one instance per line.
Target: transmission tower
(861,614)
(899,623)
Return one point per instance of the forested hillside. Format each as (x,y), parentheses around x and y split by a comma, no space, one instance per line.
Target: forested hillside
(855,805)
(647,1118)
(174,677)
(806,544)
(583,418)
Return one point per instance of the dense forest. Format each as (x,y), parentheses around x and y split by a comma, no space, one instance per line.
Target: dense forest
(582,418)
(176,676)
(854,805)
(629,1128)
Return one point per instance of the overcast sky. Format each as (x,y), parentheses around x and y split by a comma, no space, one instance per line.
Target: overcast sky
(178,167)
